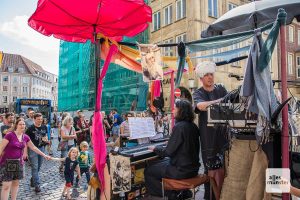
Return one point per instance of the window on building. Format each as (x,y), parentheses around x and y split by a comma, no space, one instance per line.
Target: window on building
(33,90)
(4,99)
(25,90)
(14,99)
(156,21)
(168,15)
(15,89)
(5,78)
(10,69)
(25,79)
(231,6)
(213,8)
(271,65)
(291,33)
(180,9)
(181,38)
(20,69)
(290,63)
(15,79)
(298,37)
(169,51)
(5,88)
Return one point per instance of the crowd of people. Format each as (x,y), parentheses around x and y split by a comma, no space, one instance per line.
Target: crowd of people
(29,137)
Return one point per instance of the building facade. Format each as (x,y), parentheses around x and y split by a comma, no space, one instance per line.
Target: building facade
(293,58)
(181,20)
(22,78)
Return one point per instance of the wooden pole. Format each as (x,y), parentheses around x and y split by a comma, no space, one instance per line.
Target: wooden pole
(285,128)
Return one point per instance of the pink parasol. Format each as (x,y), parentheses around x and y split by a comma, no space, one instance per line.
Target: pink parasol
(79,21)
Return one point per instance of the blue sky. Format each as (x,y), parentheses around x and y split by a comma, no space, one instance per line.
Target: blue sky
(18,38)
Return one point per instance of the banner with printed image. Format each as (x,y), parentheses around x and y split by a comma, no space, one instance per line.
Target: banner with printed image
(151,62)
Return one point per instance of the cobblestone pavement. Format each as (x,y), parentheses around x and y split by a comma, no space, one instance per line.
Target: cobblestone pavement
(52,182)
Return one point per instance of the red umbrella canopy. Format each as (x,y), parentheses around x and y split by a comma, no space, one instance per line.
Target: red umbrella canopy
(78,20)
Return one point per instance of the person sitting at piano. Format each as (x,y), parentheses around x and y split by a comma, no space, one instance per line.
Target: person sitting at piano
(181,155)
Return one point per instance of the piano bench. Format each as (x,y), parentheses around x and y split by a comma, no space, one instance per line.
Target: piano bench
(188,184)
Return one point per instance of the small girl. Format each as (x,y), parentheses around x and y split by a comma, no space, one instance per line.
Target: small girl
(71,164)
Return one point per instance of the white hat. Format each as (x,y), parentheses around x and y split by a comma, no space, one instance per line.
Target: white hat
(204,68)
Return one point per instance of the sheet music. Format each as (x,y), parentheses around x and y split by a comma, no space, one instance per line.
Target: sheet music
(141,127)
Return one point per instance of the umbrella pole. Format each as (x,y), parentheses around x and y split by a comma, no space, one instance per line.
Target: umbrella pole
(97,65)
(285,130)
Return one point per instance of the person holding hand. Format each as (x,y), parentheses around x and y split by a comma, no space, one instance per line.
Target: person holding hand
(67,133)
(11,160)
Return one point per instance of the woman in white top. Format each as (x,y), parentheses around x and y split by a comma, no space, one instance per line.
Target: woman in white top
(67,133)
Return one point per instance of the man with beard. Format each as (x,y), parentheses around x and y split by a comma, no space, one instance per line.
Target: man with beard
(8,123)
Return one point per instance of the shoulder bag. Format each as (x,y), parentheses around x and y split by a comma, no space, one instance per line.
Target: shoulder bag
(14,165)
(63,145)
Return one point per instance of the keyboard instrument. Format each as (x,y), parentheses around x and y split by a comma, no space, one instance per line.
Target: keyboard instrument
(140,152)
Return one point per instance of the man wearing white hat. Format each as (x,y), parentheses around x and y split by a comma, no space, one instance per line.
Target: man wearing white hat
(213,142)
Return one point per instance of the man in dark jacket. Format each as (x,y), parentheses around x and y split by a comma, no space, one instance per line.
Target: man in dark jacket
(182,151)
(212,140)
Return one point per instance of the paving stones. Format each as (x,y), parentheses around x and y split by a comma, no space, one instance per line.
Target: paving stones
(52,182)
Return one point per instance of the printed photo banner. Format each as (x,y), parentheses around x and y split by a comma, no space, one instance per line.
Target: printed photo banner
(151,62)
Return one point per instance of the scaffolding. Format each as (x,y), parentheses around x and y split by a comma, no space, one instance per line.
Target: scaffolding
(76,86)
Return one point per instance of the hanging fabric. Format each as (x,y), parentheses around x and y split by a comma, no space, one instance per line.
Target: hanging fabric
(258,88)
(215,44)
(182,54)
(227,55)
(98,135)
(156,88)
(268,47)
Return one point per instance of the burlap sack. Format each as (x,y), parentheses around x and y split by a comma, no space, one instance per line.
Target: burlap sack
(245,174)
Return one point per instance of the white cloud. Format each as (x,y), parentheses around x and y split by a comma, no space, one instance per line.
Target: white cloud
(39,48)
(18,30)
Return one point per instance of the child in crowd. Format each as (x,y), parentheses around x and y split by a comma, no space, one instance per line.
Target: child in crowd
(85,162)
(71,165)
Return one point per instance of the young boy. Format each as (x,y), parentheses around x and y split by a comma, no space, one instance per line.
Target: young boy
(85,161)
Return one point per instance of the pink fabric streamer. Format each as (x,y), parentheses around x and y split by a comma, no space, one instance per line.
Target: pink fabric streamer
(172,100)
(98,135)
(156,88)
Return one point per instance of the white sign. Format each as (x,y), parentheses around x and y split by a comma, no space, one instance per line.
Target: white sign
(141,127)
(278,180)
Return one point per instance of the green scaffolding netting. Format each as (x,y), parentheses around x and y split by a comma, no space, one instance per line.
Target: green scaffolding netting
(76,85)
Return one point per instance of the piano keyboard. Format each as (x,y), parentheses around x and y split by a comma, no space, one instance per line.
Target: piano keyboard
(139,150)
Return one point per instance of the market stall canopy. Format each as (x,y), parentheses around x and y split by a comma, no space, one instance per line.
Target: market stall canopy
(78,21)
(252,15)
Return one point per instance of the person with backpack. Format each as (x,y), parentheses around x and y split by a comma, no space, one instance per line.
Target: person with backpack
(117,121)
